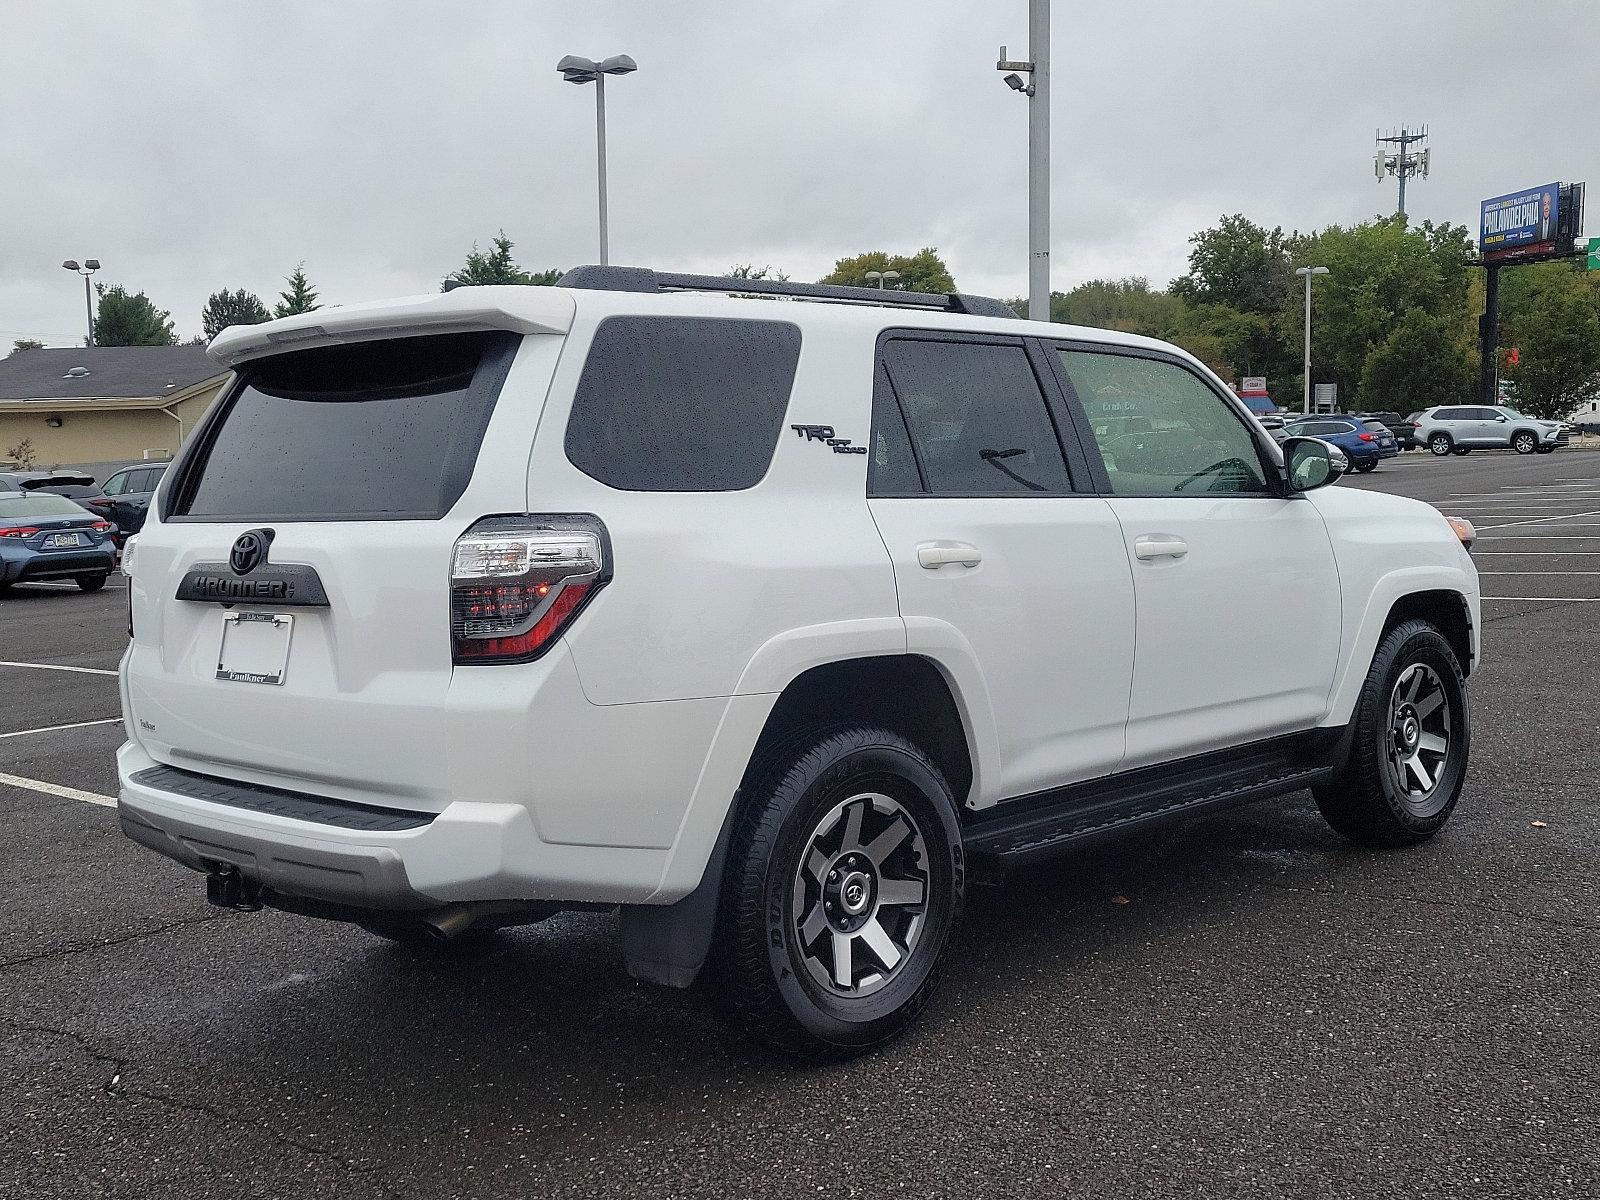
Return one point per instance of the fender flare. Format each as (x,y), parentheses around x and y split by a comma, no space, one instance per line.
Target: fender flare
(1381,599)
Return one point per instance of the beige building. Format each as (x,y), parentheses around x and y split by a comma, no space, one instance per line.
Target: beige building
(104,406)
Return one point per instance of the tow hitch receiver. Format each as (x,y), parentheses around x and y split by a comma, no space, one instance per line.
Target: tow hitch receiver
(227,888)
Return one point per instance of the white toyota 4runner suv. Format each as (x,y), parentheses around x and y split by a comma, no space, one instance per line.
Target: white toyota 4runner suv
(761,613)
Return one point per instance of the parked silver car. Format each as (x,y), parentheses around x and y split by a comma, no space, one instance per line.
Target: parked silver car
(1460,430)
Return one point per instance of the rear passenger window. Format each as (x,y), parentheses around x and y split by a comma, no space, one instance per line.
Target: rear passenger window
(682,404)
(977,417)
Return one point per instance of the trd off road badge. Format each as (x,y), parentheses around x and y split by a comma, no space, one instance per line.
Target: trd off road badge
(824,434)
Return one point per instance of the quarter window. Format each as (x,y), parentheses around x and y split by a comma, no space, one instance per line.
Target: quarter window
(116,484)
(977,416)
(1160,430)
(682,404)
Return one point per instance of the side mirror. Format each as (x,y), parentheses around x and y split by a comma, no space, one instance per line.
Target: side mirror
(1502,417)
(1310,463)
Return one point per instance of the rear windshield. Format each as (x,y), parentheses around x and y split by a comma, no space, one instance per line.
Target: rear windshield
(36,504)
(1378,425)
(380,430)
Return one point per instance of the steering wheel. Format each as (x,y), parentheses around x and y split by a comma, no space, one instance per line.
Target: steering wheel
(1215,468)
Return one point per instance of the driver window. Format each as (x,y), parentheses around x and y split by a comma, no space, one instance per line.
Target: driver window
(115,484)
(1160,430)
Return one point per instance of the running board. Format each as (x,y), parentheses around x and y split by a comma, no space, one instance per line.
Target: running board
(1026,830)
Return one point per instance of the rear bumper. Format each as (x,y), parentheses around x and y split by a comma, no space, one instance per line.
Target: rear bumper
(61,565)
(469,851)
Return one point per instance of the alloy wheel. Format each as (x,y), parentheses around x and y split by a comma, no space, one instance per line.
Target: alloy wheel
(860,894)
(1419,736)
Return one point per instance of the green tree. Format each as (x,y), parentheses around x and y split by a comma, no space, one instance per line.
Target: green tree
(1419,363)
(751,271)
(124,320)
(923,271)
(227,308)
(496,266)
(1238,264)
(1558,351)
(300,298)
(21,344)
(1129,305)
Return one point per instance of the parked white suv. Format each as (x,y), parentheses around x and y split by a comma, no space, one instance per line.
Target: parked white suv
(1463,429)
(763,620)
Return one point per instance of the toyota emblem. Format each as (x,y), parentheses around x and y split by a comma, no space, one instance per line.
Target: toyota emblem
(250,551)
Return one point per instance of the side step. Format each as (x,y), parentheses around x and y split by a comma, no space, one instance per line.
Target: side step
(1032,828)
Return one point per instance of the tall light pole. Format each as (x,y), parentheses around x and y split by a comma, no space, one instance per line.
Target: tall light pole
(90,266)
(1307,273)
(1037,89)
(882,278)
(584,70)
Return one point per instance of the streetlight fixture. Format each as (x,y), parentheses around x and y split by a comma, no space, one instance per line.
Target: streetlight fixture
(1308,273)
(89,267)
(884,278)
(585,70)
(1036,87)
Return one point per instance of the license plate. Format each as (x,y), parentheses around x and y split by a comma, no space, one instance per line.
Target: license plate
(255,647)
(60,541)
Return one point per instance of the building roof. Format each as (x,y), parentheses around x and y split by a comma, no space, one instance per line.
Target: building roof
(114,372)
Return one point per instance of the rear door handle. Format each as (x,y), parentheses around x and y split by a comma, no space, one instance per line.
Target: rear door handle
(933,555)
(1159,545)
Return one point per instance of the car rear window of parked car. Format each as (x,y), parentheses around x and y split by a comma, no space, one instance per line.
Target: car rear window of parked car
(376,430)
(1160,430)
(15,505)
(1376,426)
(976,417)
(682,404)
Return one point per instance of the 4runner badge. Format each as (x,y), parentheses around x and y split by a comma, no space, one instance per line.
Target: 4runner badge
(824,434)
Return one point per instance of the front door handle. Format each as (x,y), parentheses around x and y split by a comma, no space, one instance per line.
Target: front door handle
(1159,545)
(933,555)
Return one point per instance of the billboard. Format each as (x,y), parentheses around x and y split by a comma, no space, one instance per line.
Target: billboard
(1520,224)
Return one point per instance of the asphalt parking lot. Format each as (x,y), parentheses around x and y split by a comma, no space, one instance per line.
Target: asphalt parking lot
(1242,1006)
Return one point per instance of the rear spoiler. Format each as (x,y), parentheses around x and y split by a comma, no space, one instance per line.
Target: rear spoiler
(464,310)
(45,481)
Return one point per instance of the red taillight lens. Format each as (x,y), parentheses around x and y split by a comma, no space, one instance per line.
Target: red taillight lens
(18,531)
(101,527)
(518,581)
(1366,437)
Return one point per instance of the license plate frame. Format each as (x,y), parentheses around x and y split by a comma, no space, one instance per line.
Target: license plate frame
(254,647)
(62,541)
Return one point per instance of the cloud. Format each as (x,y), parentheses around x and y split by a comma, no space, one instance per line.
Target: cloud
(194,146)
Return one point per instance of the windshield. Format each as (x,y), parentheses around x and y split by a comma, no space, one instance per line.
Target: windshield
(36,504)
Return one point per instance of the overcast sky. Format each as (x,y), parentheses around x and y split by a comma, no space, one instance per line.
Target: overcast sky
(197,145)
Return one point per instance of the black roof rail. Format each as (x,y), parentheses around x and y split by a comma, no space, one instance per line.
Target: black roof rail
(643,279)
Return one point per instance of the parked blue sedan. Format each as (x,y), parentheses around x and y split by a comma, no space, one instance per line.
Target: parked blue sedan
(1365,443)
(43,536)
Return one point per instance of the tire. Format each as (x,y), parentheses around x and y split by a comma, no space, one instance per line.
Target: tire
(1377,799)
(809,869)
(1367,468)
(91,583)
(1524,442)
(1547,449)
(1440,444)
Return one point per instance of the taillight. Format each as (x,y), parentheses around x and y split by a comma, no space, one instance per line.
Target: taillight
(516,582)
(101,527)
(1366,437)
(18,531)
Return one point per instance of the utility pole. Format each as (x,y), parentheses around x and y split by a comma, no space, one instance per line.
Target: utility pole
(1489,337)
(1037,89)
(1308,273)
(1404,161)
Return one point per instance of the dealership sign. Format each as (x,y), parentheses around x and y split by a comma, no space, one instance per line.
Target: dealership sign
(1520,224)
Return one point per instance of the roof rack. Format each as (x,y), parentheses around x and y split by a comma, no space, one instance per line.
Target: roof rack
(643,279)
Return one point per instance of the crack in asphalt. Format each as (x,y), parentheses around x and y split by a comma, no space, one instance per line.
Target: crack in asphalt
(116,1086)
(1458,905)
(66,951)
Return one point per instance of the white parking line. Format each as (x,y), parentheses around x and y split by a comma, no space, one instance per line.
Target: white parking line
(1541,520)
(1550,599)
(54,728)
(1537,553)
(55,789)
(55,667)
(1539,572)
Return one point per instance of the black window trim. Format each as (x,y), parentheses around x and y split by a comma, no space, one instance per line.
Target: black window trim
(1075,463)
(500,350)
(1266,448)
